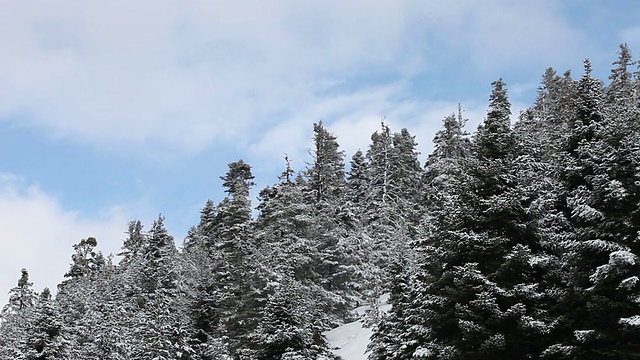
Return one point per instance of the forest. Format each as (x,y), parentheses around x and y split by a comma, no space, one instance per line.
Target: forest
(519,240)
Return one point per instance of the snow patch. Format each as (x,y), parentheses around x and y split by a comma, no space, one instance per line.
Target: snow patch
(583,335)
(622,258)
(631,321)
(350,341)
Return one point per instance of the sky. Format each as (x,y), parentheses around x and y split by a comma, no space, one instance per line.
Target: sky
(112,111)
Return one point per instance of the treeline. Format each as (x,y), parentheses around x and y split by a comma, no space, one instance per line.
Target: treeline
(514,242)
(532,231)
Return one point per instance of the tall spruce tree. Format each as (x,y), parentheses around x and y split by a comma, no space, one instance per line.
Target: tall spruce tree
(602,209)
(326,191)
(477,289)
(16,318)
(238,278)
(326,179)
(45,340)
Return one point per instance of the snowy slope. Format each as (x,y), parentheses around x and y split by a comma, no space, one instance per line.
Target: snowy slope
(350,340)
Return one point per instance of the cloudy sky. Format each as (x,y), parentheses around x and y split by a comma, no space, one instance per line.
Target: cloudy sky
(118,110)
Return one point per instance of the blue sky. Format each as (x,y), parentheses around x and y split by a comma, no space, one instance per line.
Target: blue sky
(118,110)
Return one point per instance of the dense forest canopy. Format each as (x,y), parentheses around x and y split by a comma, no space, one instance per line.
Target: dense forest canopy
(516,241)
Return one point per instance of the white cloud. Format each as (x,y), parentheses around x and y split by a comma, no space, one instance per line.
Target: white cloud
(355,116)
(145,75)
(37,233)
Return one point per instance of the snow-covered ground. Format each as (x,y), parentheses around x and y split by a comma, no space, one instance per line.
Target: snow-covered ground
(350,340)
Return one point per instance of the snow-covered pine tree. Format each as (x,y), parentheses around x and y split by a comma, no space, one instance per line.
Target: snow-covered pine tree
(445,172)
(284,230)
(16,318)
(601,182)
(236,291)
(506,315)
(288,328)
(357,179)
(326,191)
(161,318)
(45,340)
(75,296)
(325,176)
(475,294)
(391,209)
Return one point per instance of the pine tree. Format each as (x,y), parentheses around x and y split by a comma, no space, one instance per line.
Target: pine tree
(445,172)
(602,209)
(326,192)
(45,341)
(287,328)
(326,174)
(75,296)
(85,261)
(391,207)
(544,128)
(16,319)
(357,179)
(234,293)
(161,324)
(134,244)
(476,293)
(285,229)
(22,296)
(220,252)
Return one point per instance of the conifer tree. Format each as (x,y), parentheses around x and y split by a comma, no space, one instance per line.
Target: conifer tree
(392,210)
(285,229)
(325,176)
(475,293)
(602,209)
(326,191)
(75,295)
(45,340)
(445,172)
(161,319)
(22,296)
(287,329)
(357,179)
(238,278)
(16,319)
(134,244)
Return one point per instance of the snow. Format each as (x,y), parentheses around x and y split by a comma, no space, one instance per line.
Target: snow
(583,335)
(350,341)
(633,321)
(629,283)
(623,258)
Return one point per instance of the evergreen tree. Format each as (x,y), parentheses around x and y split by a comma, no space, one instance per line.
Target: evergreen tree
(476,293)
(161,318)
(287,329)
(285,229)
(22,296)
(235,291)
(326,178)
(445,173)
(85,261)
(16,319)
(134,244)
(357,179)
(74,298)
(45,341)
(392,210)
(326,191)
(602,209)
